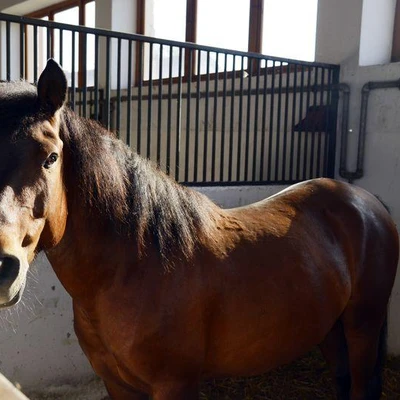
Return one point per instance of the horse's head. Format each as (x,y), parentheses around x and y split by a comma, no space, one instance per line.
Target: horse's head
(32,196)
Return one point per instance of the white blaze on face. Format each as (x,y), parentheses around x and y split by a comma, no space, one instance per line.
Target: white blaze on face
(13,261)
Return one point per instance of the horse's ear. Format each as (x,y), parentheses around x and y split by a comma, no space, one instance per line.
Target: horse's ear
(52,87)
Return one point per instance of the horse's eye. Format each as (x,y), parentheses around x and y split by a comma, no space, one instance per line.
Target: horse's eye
(51,159)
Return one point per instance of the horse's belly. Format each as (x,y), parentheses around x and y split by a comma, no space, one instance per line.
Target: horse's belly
(255,354)
(267,325)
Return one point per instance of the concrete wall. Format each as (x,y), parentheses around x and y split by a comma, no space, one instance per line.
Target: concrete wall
(338,41)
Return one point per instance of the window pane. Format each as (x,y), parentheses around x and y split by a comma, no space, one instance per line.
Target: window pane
(290,34)
(223,23)
(90,14)
(70,16)
(215,28)
(166,20)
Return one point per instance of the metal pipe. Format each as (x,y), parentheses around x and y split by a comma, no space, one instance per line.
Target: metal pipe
(365,91)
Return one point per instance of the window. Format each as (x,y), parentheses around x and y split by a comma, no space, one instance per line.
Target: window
(290,34)
(157,25)
(260,26)
(215,29)
(78,12)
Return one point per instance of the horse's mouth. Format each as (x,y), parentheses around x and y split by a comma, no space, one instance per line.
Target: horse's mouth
(14,300)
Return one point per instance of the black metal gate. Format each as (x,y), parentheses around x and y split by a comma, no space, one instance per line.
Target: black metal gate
(206,116)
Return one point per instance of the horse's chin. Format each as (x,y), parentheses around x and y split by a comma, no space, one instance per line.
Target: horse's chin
(15,299)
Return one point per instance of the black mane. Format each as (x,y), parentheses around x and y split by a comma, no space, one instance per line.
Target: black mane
(131,193)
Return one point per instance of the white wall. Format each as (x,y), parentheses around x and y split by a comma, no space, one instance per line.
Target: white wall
(338,40)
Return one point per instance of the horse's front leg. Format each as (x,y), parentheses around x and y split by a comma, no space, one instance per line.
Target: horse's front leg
(176,391)
(119,392)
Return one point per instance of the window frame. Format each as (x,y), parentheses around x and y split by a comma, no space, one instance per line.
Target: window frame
(254,42)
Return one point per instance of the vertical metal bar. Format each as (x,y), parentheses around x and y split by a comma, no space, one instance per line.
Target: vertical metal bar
(22,51)
(241,84)
(207,94)
(306,133)
(214,136)
(35,53)
(73,71)
(48,31)
(271,122)
(149,110)
(118,124)
(196,142)
(255,139)
(264,122)
(319,138)
(299,134)
(328,123)
(294,95)
(312,155)
(83,37)
(247,142)
(96,77)
(278,123)
(169,113)
(8,50)
(222,156)
(178,118)
(332,124)
(140,85)
(285,123)
(129,105)
(231,122)
(189,69)
(108,83)
(61,39)
(159,115)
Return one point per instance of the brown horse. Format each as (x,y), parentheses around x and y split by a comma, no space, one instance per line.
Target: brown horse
(167,287)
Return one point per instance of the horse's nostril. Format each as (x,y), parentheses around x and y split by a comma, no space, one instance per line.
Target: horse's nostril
(9,268)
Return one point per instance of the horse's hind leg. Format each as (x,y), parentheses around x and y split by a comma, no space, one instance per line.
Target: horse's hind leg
(334,350)
(176,391)
(119,392)
(365,331)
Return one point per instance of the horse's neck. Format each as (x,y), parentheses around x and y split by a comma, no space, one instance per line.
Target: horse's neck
(87,257)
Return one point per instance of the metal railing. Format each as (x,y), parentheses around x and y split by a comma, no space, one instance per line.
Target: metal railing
(205,115)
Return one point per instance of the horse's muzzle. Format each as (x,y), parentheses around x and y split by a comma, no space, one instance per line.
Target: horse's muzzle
(11,287)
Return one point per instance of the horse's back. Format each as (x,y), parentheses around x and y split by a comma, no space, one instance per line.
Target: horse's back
(344,221)
(293,262)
